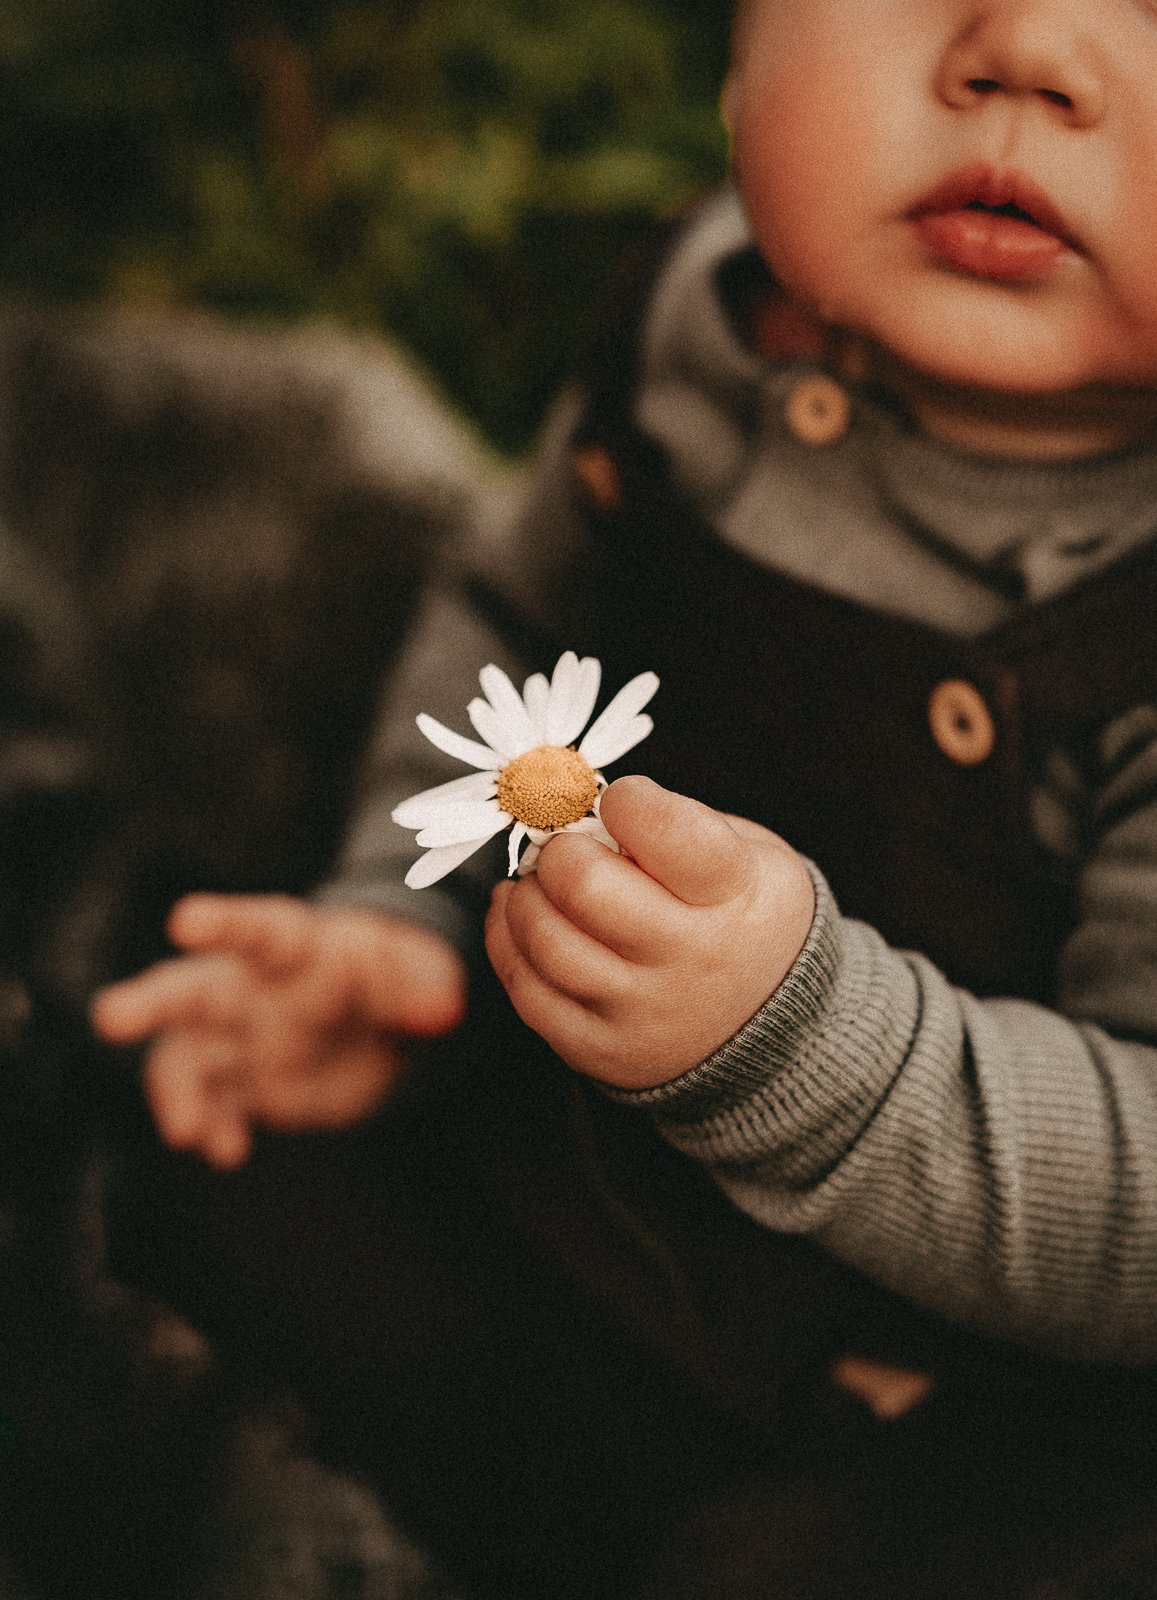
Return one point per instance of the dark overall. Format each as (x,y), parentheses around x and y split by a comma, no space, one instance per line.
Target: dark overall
(564,1357)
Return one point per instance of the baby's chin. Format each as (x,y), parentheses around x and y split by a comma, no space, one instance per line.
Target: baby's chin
(1004,353)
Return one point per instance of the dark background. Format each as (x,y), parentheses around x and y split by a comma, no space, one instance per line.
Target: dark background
(459,174)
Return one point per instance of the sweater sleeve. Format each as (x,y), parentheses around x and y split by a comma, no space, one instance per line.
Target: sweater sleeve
(993,1161)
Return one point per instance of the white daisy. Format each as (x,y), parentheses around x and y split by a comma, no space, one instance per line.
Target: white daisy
(531,779)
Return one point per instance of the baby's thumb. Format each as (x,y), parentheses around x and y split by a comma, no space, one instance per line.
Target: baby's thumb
(693,851)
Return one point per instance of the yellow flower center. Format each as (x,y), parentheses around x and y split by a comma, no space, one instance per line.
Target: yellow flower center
(548,787)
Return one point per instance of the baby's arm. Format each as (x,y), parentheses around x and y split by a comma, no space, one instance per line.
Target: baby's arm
(993,1160)
(279,1013)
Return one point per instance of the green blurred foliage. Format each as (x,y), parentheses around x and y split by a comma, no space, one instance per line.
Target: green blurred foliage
(459,173)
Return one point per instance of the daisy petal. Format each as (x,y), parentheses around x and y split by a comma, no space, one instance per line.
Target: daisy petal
(594,826)
(517,835)
(565,669)
(618,720)
(536,695)
(453,744)
(607,745)
(512,714)
(457,824)
(436,864)
(540,837)
(573,692)
(529,860)
(422,808)
(495,729)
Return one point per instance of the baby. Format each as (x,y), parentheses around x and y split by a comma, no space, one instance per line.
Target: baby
(865,468)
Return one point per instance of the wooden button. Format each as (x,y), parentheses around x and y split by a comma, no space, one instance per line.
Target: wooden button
(961,722)
(596,470)
(818,411)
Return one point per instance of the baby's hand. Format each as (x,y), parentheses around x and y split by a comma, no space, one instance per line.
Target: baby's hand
(281,1013)
(635,967)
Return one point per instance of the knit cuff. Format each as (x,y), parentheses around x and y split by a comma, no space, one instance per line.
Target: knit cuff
(791,1092)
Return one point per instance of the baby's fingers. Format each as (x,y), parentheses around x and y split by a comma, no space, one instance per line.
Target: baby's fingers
(564,956)
(194,1090)
(274,932)
(187,993)
(693,851)
(333,1094)
(572,1031)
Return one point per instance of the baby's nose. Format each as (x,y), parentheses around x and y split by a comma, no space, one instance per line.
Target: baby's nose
(1044,50)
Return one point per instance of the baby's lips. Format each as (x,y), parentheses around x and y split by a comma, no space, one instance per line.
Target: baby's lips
(987,244)
(992,223)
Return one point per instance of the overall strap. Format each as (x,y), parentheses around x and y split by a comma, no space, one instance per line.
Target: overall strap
(1086,656)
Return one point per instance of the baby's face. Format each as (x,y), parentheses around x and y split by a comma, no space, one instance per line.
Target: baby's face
(971,183)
